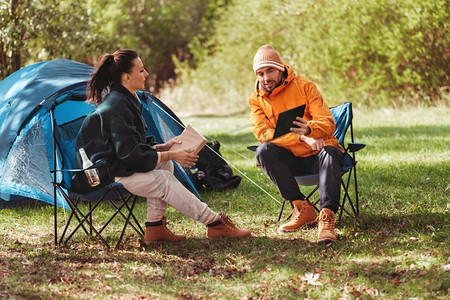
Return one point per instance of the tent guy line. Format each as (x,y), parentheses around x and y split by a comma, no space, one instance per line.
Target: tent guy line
(227,161)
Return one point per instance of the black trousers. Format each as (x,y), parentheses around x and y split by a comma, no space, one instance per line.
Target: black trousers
(281,165)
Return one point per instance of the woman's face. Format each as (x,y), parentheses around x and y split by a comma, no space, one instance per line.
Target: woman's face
(135,80)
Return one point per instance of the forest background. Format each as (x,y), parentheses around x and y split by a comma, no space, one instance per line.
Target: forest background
(199,52)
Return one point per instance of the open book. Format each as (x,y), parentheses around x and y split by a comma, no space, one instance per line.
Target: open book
(190,138)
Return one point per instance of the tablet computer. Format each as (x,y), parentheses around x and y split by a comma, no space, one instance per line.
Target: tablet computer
(286,118)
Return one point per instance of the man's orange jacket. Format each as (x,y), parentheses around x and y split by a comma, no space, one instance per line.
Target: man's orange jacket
(294,91)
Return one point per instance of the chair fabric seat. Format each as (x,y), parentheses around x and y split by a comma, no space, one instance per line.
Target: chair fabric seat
(347,163)
(307,180)
(313,179)
(95,195)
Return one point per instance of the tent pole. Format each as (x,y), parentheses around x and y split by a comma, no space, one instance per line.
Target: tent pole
(55,217)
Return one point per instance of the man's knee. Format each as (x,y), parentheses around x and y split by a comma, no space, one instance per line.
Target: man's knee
(331,152)
(330,157)
(264,150)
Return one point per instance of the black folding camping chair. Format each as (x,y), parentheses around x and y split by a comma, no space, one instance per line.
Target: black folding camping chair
(115,194)
(343,117)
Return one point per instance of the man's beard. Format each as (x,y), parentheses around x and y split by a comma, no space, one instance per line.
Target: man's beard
(276,85)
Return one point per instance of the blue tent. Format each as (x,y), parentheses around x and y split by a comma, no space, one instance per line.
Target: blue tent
(48,95)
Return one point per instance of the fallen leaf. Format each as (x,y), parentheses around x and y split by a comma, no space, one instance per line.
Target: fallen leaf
(372,292)
(311,279)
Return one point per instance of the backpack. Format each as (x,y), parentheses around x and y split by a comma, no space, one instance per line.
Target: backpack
(212,173)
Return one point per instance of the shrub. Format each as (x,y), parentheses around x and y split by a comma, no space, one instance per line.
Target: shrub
(385,52)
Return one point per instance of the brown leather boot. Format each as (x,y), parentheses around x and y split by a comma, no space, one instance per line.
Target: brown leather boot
(326,226)
(302,214)
(226,228)
(157,232)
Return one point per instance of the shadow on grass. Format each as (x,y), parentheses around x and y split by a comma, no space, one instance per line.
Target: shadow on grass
(432,224)
(363,253)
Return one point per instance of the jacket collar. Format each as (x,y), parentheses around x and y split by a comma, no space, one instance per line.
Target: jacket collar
(135,102)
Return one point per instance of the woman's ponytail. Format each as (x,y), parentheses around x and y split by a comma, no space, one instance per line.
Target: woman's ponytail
(109,70)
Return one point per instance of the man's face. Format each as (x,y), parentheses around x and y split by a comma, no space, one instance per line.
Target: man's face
(269,78)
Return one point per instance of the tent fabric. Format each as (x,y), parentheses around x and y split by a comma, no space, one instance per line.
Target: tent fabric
(164,125)
(30,99)
(22,92)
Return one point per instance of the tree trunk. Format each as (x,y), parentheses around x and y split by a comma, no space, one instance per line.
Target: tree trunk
(15,51)
(3,62)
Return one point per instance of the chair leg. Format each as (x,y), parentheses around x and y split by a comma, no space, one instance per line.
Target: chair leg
(281,210)
(355,213)
(124,203)
(310,195)
(138,230)
(127,221)
(346,197)
(72,205)
(90,218)
(85,218)
(356,191)
(70,220)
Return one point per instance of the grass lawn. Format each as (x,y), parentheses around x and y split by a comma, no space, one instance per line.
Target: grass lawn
(399,249)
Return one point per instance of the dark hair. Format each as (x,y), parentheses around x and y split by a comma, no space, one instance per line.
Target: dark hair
(109,70)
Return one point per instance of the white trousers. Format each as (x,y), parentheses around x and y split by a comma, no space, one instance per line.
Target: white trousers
(161,187)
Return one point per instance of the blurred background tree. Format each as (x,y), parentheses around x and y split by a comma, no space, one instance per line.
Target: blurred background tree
(387,52)
(160,30)
(38,30)
(199,52)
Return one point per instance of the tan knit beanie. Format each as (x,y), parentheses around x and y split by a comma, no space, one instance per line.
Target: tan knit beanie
(267,56)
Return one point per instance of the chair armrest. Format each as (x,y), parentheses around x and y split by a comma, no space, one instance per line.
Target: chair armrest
(66,170)
(99,163)
(354,147)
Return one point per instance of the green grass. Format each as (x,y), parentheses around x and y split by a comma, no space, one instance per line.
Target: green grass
(399,249)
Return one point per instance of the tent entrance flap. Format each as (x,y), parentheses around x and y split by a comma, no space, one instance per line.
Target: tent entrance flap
(26,169)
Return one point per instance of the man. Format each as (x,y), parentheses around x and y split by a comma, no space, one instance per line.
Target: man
(310,148)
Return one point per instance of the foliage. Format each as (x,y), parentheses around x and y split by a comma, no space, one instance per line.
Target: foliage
(157,30)
(33,31)
(39,30)
(378,52)
(397,49)
(387,52)
(399,249)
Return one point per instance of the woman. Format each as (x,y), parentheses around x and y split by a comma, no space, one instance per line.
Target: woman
(115,131)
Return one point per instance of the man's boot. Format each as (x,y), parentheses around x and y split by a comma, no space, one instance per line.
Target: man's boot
(326,226)
(157,232)
(302,214)
(226,228)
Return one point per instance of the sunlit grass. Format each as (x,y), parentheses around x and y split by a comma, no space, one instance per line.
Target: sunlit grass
(398,249)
